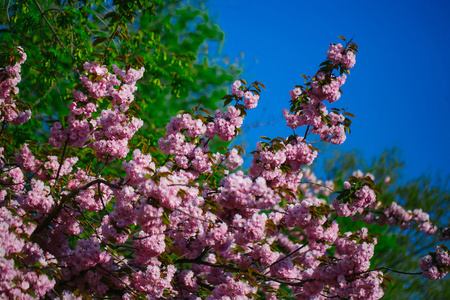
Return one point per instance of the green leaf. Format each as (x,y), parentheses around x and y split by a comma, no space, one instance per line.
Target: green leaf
(240,149)
(349,114)
(243,81)
(109,15)
(228,101)
(205,111)
(262,85)
(140,59)
(227,97)
(99,40)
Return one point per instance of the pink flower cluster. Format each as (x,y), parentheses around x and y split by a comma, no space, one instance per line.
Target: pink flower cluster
(347,276)
(239,91)
(187,139)
(9,78)
(364,198)
(280,164)
(311,185)
(338,55)
(93,198)
(436,265)
(114,226)
(18,278)
(13,178)
(395,214)
(322,90)
(115,130)
(138,168)
(225,124)
(232,289)
(115,126)
(151,281)
(240,192)
(38,198)
(44,170)
(309,109)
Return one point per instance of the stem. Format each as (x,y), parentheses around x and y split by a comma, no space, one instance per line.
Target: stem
(101,198)
(306,133)
(61,161)
(322,185)
(199,258)
(235,269)
(167,158)
(123,282)
(201,262)
(388,269)
(298,249)
(110,40)
(400,272)
(7,11)
(104,165)
(249,87)
(187,214)
(203,285)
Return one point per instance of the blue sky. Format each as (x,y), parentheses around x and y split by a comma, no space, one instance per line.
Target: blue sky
(398,90)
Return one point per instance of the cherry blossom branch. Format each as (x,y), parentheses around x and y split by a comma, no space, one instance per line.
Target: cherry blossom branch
(388,269)
(283,258)
(66,198)
(101,197)
(110,39)
(319,184)
(235,269)
(400,272)
(201,262)
(306,132)
(61,161)
(120,279)
(194,217)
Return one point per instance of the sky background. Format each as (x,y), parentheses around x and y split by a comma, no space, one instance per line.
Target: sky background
(398,89)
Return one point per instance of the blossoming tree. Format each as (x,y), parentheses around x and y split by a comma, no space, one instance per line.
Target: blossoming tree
(173,40)
(191,225)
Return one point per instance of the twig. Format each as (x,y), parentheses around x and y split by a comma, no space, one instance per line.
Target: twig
(53,30)
(65,198)
(388,269)
(292,252)
(110,40)
(61,161)
(319,184)
(187,214)
(400,272)
(101,198)
(306,133)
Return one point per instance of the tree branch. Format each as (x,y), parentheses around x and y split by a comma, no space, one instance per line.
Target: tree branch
(64,199)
